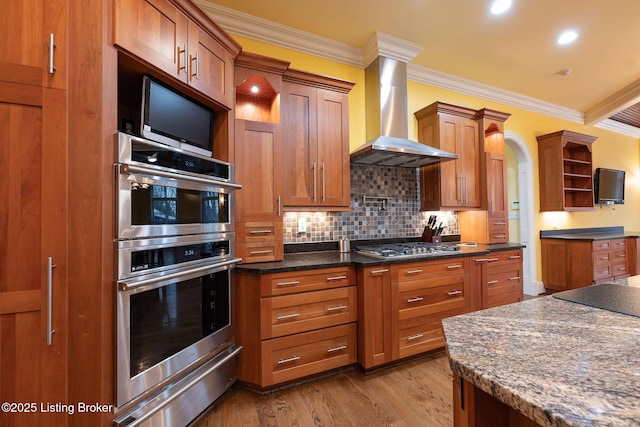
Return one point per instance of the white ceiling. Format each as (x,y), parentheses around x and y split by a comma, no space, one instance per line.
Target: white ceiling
(461,41)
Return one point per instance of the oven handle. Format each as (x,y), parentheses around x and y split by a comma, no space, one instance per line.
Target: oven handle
(127,286)
(166,174)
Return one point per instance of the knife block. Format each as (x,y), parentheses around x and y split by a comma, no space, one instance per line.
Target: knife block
(427,236)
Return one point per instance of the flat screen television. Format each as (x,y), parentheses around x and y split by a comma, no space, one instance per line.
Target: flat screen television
(609,186)
(175,119)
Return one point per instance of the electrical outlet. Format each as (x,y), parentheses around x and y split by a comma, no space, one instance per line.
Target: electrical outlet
(302,225)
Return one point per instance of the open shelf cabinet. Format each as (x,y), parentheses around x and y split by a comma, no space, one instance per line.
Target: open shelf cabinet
(566,171)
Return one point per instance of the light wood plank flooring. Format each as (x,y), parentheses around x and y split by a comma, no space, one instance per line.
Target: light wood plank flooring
(414,393)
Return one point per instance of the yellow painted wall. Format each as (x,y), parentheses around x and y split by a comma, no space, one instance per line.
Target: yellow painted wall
(611,150)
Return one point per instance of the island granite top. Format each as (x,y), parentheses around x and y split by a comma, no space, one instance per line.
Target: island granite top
(557,362)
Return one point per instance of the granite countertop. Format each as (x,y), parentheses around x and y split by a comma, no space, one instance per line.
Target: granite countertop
(603,233)
(333,258)
(557,362)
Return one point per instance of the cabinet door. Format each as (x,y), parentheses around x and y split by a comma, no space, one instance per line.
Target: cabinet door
(375,344)
(155,31)
(333,149)
(496,185)
(300,142)
(450,179)
(258,156)
(30,29)
(210,66)
(469,162)
(33,166)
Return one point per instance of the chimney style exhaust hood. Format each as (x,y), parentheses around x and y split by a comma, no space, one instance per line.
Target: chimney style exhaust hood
(387,110)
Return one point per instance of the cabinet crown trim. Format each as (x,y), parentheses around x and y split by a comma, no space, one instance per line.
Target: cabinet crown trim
(318,81)
(443,107)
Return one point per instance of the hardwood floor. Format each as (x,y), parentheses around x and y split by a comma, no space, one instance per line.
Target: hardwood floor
(414,393)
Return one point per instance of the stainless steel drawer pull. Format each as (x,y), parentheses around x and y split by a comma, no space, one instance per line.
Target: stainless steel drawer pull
(451,267)
(338,307)
(414,337)
(338,348)
(492,282)
(622,268)
(260,252)
(492,259)
(260,231)
(293,282)
(415,299)
(514,278)
(379,271)
(50,330)
(622,255)
(605,272)
(452,293)
(52,46)
(500,223)
(288,316)
(482,260)
(414,271)
(289,360)
(514,257)
(500,236)
(336,278)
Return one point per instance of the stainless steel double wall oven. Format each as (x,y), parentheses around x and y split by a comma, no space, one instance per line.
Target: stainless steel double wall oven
(175,254)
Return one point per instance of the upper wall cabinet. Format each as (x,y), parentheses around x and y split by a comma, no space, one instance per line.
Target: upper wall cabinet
(315,132)
(165,35)
(566,173)
(453,184)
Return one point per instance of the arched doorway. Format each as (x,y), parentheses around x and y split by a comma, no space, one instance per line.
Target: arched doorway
(525,213)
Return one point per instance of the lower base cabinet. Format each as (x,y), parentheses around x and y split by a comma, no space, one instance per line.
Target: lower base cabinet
(569,264)
(294,324)
(500,277)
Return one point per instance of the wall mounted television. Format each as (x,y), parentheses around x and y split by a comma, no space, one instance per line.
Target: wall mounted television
(609,186)
(175,119)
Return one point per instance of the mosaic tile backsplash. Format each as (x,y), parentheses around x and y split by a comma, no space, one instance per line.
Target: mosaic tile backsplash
(384,203)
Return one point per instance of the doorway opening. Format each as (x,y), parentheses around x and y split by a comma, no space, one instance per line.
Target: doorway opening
(521,207)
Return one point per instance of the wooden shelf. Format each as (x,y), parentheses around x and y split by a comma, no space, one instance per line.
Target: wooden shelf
(565,185)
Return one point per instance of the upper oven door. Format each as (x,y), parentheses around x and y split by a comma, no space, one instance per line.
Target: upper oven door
(153,202)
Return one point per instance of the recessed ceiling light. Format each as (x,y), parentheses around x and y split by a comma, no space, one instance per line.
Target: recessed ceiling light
(567,37)
(500,6)
(254,88)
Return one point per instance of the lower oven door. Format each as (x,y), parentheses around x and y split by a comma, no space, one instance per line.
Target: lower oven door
(168,323)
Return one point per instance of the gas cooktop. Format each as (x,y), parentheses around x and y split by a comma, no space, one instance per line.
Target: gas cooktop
(405,250)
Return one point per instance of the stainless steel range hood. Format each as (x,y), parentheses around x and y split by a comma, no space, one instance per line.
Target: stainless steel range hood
(387,120)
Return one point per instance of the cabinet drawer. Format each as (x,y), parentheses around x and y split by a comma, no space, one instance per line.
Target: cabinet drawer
(497,224)
(295,313)
(504,298)
(504,257)
(258,232)
(259,251)
(297,356)
(498,236)
(429,269)
(601,272)
(618,244)
(601,245)
(619,269)
(423,297)
(504,280)
(309,280)
(420,334)
(601,258)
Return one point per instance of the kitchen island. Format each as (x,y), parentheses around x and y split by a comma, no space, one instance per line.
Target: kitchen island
(548,362)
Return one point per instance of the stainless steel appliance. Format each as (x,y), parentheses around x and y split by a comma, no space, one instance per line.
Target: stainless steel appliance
(406,250)
(175,243)
(164,191)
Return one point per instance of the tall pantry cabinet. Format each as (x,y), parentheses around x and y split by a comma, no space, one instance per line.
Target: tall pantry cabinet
(34,198)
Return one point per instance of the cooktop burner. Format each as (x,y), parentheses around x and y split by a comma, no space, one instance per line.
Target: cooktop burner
(405,250)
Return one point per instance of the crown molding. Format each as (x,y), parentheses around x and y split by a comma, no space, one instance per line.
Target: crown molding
(265,31)
(269,32)
(618,127)
(624,98)
(382,44)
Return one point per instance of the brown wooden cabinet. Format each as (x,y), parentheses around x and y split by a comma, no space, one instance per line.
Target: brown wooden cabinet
(315,123)
(497,279)
(452,184)
(258,158)
(400,307)
(33,219)
(295,324)
(570,264)
(158,32)
(491,223)
(565,169)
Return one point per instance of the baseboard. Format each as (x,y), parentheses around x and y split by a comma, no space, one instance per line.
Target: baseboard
(534,288)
